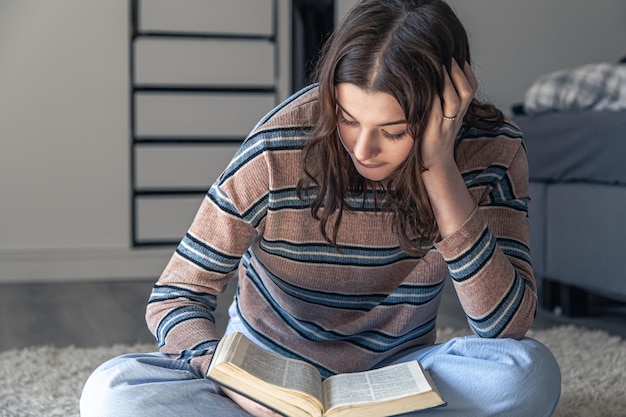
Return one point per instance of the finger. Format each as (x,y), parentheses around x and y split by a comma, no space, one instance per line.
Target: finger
(436,108)
(463,84)
(450,98)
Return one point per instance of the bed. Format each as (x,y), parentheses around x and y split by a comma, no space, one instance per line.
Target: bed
(577,163)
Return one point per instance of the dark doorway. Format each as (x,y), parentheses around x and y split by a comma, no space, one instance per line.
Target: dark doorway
(312,22)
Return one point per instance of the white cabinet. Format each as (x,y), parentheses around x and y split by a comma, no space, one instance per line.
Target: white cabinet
(220,17)
(202,116)
(203,73)
(226,62)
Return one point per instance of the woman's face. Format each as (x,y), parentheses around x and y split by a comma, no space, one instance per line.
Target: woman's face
(373,130)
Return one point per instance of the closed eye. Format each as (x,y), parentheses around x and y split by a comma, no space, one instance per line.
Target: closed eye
(350,123)
(394,136)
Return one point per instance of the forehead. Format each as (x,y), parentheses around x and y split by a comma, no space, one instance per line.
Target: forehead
(375,107)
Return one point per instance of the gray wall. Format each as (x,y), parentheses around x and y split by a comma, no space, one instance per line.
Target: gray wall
(65,129)
(514,42)
(63,124)
(64,116)
(64,166)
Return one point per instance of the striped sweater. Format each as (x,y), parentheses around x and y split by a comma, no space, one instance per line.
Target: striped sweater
(348,309)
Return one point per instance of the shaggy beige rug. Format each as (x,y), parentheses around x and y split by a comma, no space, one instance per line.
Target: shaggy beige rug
(46,382)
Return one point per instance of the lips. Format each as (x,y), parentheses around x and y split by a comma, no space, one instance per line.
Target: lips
(368,165)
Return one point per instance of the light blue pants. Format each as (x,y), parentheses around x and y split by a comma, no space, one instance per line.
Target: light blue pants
(477,377)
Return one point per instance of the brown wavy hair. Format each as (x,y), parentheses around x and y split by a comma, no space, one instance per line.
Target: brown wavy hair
(396,47)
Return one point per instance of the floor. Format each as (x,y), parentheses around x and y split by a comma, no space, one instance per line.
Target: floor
(90,314)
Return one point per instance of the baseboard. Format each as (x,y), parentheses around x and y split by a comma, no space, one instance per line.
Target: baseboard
(28,266)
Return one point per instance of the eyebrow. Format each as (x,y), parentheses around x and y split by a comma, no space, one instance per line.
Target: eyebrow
(397,122)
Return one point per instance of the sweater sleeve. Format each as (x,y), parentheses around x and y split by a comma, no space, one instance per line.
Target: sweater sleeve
(488,257)
(180,311)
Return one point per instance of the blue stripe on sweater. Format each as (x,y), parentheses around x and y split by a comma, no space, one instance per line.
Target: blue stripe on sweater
(502,191)
(222,200)
(323,253)
(180,315)
(288,198)
(266,140)
(253,215)
(501,194)
(506,130)
(205,256)
(471,261)
(496,321)
(170,292)
(372,340)
(283,199)
(411,294)
(414,294)
(200,349)
(490,176)
(515,249)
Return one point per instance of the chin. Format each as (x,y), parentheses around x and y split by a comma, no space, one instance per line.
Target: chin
(374,177)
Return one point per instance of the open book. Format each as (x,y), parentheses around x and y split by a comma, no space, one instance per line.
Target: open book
(294,388)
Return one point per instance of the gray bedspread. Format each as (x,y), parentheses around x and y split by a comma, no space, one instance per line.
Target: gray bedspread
(588,146)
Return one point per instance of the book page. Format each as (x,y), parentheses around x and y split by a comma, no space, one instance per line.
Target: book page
(382,384)
(278,370)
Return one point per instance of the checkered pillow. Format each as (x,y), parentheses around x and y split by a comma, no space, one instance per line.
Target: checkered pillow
(590,87)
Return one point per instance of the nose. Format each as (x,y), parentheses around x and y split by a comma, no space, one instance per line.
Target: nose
(366,146)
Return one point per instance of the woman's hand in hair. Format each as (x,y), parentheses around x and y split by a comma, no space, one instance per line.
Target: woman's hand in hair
(446,116)
(451,201)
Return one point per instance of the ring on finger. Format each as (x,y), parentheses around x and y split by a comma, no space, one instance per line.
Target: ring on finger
(451,119)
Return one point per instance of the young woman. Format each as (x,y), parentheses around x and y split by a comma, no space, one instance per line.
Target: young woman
(342,215)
